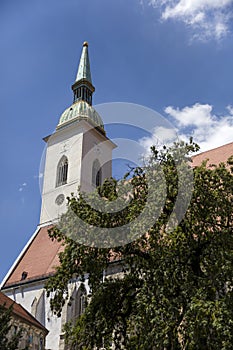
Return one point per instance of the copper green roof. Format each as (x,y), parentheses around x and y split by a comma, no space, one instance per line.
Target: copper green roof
(84,71)
(80,110)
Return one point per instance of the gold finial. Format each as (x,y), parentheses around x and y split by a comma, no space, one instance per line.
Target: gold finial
(85,43)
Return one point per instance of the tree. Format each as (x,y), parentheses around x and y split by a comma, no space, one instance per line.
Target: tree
(175,286)
(9,340)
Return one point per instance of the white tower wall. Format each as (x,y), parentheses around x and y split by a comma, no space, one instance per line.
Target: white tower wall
(82,145)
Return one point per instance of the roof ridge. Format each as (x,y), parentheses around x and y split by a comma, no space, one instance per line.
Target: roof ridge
(28,318)
(212,149)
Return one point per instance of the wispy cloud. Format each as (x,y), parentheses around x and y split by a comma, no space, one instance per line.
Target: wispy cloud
(207,18)
(159,137)
(21,188)
(39,176)
(230,109)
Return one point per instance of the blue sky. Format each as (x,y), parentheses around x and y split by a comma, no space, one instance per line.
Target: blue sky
(173,56)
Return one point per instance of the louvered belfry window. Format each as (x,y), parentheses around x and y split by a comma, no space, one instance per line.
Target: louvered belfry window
(62,171)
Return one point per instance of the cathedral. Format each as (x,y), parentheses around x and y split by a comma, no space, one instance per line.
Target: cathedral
(78,155)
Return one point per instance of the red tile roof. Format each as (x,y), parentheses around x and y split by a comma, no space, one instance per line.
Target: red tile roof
(38,261)
(214,156)
(19,312)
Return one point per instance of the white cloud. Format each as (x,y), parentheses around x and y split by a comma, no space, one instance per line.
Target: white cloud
(159,137)
(200,122)
(208,18)
(230,109)
(196,115)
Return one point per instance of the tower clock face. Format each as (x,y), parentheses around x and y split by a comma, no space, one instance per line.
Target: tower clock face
(60,199)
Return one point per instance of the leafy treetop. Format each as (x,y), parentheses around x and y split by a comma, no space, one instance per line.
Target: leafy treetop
(176,277)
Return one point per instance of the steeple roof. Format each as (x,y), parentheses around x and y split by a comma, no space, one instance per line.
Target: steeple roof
(80,110)
(83,90)
(84,70)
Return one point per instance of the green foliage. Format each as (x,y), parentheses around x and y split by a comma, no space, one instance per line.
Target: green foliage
(8,340)
(174,287)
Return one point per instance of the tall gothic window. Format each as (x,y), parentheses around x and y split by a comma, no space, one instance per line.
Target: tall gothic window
(62,171)
(77,304)
(96,173)
(80,303)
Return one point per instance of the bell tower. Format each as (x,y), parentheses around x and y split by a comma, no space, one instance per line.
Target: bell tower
(78,153)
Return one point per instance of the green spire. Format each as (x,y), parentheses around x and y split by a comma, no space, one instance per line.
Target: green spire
(84,71)
(83,87)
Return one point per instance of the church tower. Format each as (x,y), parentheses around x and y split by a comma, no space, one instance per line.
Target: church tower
(78,155)
(78,152)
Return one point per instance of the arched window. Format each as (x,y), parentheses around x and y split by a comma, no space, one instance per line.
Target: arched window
(80,302)
(38,308)
(62,171)
(96,173)
(77,304)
